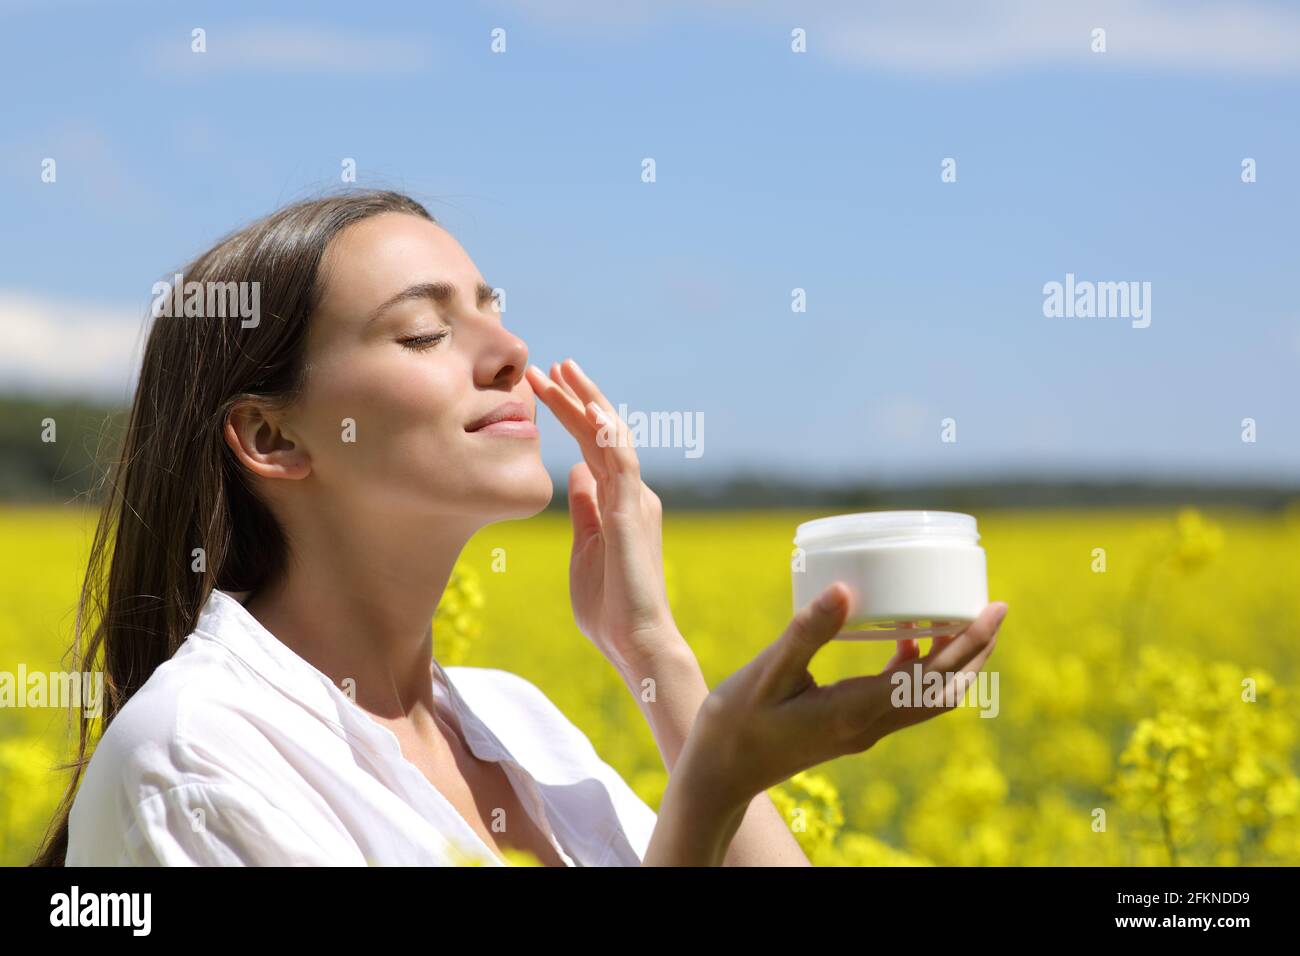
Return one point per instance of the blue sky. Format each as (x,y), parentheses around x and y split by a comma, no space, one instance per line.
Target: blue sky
(774,171)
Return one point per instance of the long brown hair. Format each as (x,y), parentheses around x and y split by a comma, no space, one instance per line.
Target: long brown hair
(176,485)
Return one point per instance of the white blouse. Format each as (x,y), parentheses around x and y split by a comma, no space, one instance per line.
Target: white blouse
(237,751)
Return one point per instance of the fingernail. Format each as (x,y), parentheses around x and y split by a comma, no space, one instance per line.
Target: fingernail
(830,599)
(999,614)
(576,367)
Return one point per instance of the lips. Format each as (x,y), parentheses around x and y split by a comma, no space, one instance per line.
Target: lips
(506,412)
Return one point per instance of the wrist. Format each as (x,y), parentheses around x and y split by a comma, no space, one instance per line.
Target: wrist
(693,827)
(714,816)
(705,763)
(663,655)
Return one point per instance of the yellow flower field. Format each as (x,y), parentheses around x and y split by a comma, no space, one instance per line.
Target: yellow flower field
(1148,711)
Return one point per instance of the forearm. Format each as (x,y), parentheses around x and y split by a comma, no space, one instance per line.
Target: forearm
(692,828)
(669,691)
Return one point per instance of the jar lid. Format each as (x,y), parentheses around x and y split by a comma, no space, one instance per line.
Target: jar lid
(881,525)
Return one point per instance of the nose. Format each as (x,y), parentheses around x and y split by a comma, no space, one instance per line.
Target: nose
(502,359)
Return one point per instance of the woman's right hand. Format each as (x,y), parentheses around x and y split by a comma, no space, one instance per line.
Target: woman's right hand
(770,719)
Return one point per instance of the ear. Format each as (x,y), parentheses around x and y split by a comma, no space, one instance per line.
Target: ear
(259,439)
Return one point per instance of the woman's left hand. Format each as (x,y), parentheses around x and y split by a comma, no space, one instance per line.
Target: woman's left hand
(616,573)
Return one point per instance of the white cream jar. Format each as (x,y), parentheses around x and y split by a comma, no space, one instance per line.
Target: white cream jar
(912,573)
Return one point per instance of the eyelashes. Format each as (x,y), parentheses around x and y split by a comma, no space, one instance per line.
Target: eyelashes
(421,342)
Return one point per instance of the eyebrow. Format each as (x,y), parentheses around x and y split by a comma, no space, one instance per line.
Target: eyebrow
(442,293)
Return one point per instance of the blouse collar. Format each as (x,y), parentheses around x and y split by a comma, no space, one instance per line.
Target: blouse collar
(225,620)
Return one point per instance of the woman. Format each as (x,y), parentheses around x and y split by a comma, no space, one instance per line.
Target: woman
(293,492)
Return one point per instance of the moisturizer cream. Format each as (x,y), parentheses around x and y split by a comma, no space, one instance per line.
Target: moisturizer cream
(911,573)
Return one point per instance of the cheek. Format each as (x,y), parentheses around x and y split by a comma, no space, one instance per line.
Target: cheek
(402,405)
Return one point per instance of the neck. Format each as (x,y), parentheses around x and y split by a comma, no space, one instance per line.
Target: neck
(357,601)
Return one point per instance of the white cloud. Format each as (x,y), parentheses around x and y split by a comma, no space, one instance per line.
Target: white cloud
(1146,34)
(973,36)
(292,48)
(68,347)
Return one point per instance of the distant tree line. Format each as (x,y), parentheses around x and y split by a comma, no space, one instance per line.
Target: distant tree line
(50,449)
(55,450)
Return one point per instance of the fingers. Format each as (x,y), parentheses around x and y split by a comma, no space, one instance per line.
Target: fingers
(556,393)
(940,642)
(654,509)
(816,623)
(957,653)
(908,649)
(954,692)
(584,507)
(571,414)
(611,434)
(550,390)
(558,378)
(864,707)
(614,434)
(602,433)
(583,387)
(960,659)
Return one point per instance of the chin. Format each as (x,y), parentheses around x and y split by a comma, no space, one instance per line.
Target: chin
(522,496)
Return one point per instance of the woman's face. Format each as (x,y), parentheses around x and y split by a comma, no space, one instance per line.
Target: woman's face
(407,343)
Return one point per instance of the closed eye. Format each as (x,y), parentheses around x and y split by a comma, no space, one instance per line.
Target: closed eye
(422,342)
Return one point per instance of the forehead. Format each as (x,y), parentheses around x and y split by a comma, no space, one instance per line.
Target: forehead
(374,259)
